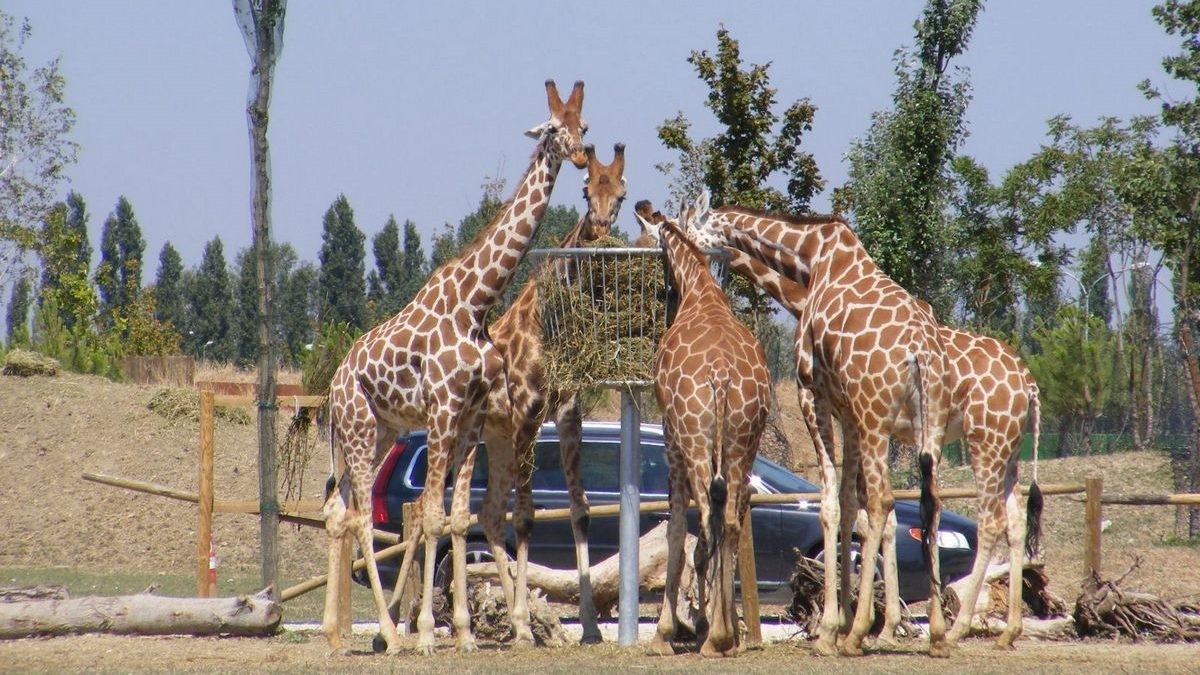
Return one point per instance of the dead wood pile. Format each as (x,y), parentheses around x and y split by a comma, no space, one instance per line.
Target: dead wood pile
(1104,609)
(808,600)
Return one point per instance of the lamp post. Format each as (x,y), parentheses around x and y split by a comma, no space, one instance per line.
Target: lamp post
(1086,289)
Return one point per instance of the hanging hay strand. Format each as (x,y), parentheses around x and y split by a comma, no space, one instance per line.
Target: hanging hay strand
(603,312)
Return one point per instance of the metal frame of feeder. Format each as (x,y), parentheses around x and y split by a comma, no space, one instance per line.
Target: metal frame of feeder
(630,456)
(630,460)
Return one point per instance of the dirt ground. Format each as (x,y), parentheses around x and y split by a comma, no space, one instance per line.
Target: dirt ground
(54,429)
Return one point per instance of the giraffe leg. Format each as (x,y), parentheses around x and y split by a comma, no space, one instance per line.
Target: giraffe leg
(848,503)
(386,627)
(460,515)
(937,619)
(1015,512)
(410,554)
(879,502)
(335,526)
(891,584)
(821,433)
(722,638)
(991,522)
(664,634)
(491,513)
(523,527)
(433,523)
(570,434)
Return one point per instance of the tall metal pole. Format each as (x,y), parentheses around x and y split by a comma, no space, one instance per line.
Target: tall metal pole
(629,530)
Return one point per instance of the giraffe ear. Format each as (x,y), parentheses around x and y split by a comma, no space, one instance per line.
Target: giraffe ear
(540,130)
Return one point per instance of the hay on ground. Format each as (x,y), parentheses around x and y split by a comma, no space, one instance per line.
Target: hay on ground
(24,363)
(184,405)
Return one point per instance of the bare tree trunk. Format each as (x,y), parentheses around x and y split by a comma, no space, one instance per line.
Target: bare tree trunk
(142,614)
(1184,317)
(264,41)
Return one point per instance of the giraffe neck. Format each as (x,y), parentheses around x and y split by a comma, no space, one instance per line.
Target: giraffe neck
(689,266)
(492,258)
(824,246)
(790,294)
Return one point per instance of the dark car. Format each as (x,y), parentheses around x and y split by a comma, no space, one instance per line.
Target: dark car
(778,529)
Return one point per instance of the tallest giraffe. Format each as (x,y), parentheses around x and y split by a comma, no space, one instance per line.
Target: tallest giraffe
(431,366)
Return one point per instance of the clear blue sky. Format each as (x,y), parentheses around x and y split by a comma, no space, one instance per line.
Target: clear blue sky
(408,107)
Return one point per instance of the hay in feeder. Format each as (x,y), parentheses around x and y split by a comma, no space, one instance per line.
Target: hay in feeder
(602,316)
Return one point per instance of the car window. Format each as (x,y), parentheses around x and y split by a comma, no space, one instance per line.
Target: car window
(420,466)
(547,471)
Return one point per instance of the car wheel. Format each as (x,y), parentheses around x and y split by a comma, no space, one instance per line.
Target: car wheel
(477,552)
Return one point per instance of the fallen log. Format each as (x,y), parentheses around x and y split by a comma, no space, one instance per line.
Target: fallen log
(142,614)
(39,592)
(563,585)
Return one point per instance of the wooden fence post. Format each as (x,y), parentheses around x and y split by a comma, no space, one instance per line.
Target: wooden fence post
(748,574)
(204,588)
(1094,486)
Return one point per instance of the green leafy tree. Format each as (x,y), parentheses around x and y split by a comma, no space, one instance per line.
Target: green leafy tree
(19,303)
(899,181)
(34,148)
(414,268)
(298,311)
(119,275)
(66,257)
(210,305)
(171,305)
(343,268)
(244,329)
(991,253)
(756,144)
(1074,370)
(1163,187)
(445,247)
(385,281)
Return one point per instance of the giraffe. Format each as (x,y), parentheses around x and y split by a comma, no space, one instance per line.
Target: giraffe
(876,356)
(712,385)
(516,408)
(993,395)
(432,366)
(649,220)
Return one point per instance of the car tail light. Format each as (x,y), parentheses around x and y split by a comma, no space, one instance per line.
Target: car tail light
(379,511)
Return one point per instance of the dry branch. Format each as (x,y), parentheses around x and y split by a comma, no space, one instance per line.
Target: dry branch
(991,608)
(1104,609)
(142,614)
(808,600)
(563,585)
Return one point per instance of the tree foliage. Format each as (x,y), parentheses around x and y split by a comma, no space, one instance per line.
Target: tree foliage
(170,295)
(343,268)
(899,181)
(17,319)
(755,145)
(210,306)
(35,151)
(119,275)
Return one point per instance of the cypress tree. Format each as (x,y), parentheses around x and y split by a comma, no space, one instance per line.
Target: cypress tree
(343,268)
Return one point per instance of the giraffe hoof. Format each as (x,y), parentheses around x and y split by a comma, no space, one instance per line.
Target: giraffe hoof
(852,647)
(337,652)
(425,650)
(709,651)
(591,639)
(661,647)
(468,647)
(939,650)
(523,643)
(825,647)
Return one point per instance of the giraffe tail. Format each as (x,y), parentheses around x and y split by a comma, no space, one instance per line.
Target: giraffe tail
(718,490)
(925,461)
(1035,502)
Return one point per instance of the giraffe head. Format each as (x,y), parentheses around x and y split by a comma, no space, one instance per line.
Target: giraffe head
(566,126)
(604,190)
(697,223)
(650,221)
